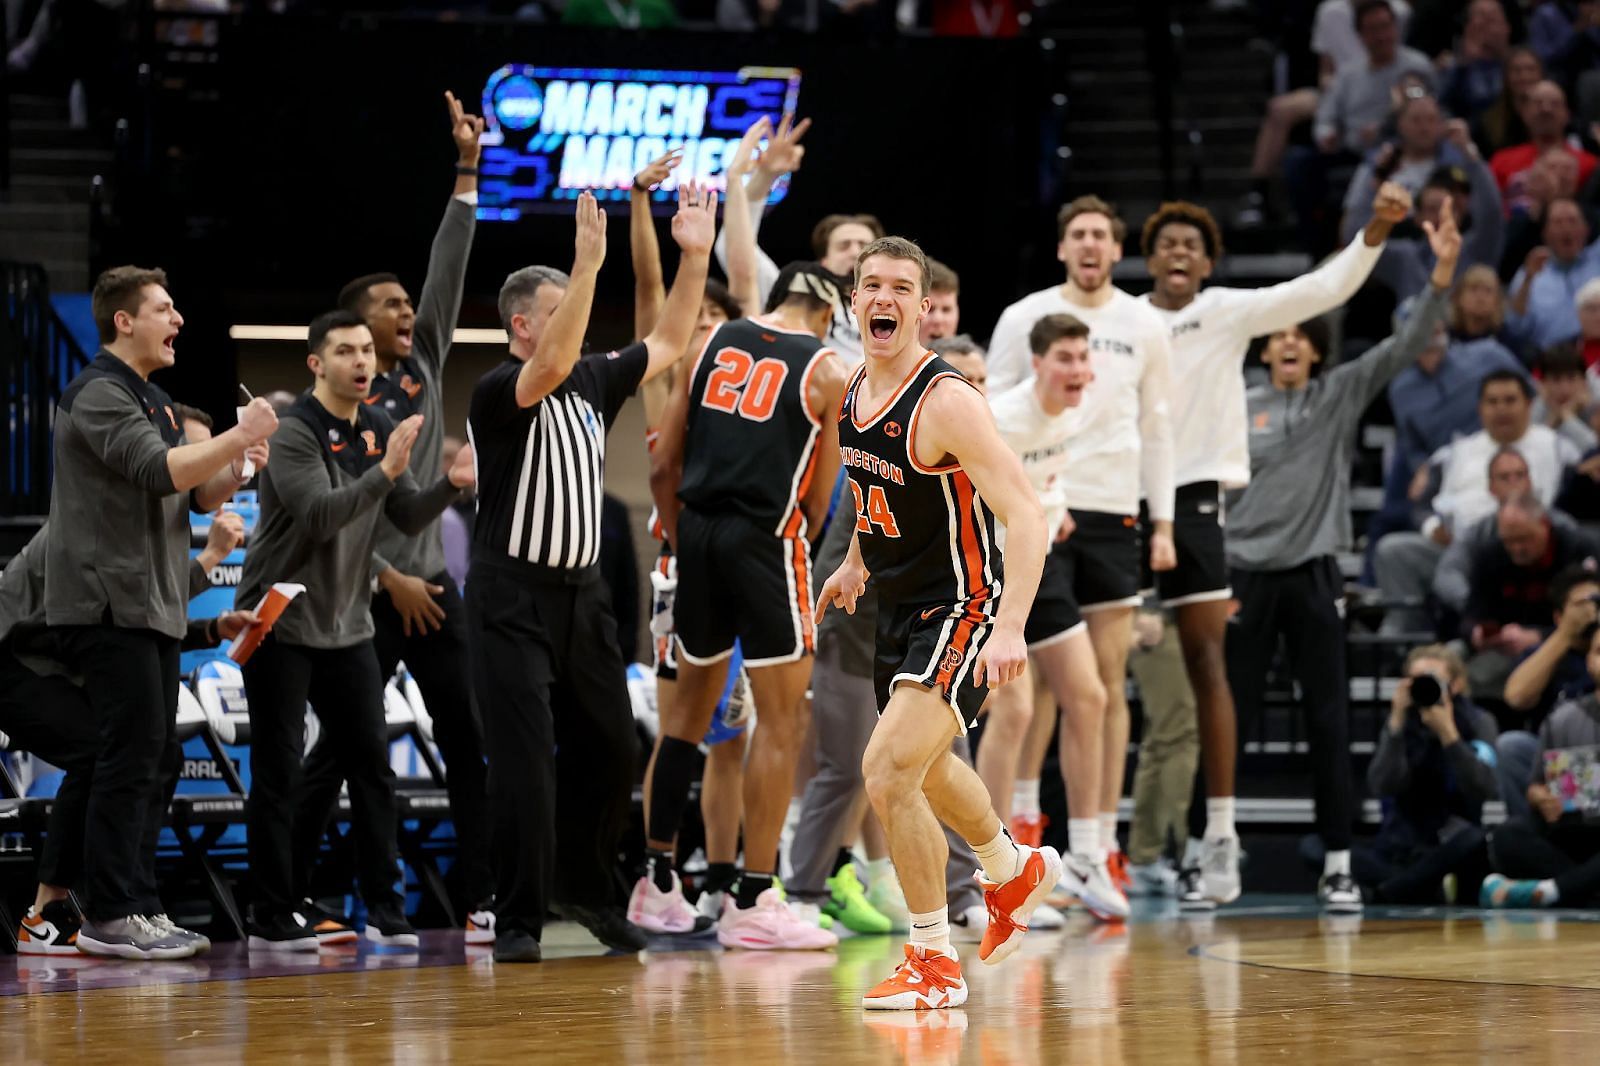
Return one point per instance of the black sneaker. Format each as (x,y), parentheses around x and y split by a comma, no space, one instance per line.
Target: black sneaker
(1339,894)
(331,928)
(608,926)
(389,927)
(515,945)
(282,932)
(1192,891)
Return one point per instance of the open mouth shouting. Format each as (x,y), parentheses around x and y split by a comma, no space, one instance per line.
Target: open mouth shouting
(362,383)
(402,336)
(168,344)
(882,327)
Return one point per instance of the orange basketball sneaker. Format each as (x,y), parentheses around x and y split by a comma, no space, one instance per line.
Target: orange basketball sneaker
(1011,904)
(1028,829)
(927,980)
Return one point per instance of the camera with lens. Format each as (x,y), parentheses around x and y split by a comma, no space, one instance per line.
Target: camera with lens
(1427,690)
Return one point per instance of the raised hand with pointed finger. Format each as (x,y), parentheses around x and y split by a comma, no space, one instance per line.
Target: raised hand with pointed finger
(465,130)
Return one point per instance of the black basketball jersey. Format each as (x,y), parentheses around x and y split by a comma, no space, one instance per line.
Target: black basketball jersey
(751,444)
(926,536)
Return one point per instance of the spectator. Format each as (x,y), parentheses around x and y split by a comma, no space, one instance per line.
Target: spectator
(1352,112)
(1552,673)
(1509,579)
(1436,401)
(1415,153)
(1407,564)
(1580,492)
(1337,47)
(1474,83)
(620,14)
(1543,312)
(1432,771)
(1554,855)
(944,304)
(1552,25)
(1554,176)
(1569,41)
(1500,125)
(1564,395)
(1545,114)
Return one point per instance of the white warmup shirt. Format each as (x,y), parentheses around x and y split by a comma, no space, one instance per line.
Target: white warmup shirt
(1124,450)
(1042,441)
(1210,338)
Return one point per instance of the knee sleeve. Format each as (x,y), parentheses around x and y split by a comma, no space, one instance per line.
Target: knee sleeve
(669,786)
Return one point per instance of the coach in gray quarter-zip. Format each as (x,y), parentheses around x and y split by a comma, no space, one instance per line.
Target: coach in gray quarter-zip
(1284,529)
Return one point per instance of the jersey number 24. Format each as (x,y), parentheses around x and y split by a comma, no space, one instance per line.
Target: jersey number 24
(874,510)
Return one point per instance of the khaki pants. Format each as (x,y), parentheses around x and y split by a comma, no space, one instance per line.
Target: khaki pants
(1169,749)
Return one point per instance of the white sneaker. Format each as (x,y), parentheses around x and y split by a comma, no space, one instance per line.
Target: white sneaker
(968,926)
(889,900)
(656,911)
(709,905)
(1219,865)
(1047,918)
(1152,879)
(1091,883)
(480,927)
(1339,894)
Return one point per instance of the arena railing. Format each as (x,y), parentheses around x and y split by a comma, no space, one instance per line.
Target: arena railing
(38,356)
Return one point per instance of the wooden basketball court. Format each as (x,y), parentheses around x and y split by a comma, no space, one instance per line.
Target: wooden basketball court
(1264,983)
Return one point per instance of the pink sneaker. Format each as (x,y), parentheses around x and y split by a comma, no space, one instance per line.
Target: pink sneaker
(769,926)
(656,911)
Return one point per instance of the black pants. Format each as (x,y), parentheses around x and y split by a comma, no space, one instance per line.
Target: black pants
(131,684)
(562,754)
(438,661)
(1301,606)
(346,692)
(1566,852)
(50,717)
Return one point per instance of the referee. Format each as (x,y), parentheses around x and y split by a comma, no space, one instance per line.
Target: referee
(543,636)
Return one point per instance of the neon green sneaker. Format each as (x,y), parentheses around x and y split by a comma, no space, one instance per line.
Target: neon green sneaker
(847,902)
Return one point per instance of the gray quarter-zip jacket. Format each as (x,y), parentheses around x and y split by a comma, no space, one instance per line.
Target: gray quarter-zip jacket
(1297,507)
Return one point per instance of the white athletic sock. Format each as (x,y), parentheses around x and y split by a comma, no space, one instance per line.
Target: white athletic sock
(1000,857)
(1191,853)
(1336,862)
(1108,832)
(876,868)
(1547,894)
(932,931)
(1025,798)
(1219,818)
(1083,838)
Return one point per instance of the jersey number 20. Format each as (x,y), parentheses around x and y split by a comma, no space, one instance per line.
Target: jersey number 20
(744,386)
(874,510)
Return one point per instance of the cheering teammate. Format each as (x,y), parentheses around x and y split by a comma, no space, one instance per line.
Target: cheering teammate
(1124,443)
(931,476)
(1211,332)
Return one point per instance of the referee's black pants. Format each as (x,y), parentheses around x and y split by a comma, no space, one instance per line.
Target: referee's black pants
(131,681)
(1302,605)
(346,692)
(438,661)
(553,691)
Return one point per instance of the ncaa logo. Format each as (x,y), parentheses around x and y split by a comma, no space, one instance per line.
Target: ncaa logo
(518,102)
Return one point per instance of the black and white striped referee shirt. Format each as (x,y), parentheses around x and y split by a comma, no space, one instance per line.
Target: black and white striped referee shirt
(541,469)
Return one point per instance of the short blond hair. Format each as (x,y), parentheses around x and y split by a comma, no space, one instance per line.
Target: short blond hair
(897,248)
(1453,666)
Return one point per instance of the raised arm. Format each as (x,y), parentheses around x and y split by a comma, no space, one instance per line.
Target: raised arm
(740,238)
(1332,284)
(956,421)
(562,340)
(439,306)
(194,465)
(411,508)
(694,227)
(783,156)
(649,290)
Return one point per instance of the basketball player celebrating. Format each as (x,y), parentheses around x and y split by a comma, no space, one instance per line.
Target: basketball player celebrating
(1124,444)
(931,477)
(742,468)
(1037,421)
(1211,332)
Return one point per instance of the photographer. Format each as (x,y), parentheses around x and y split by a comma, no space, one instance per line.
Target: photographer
(1554,856)
(1433,770)
(1551,673)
